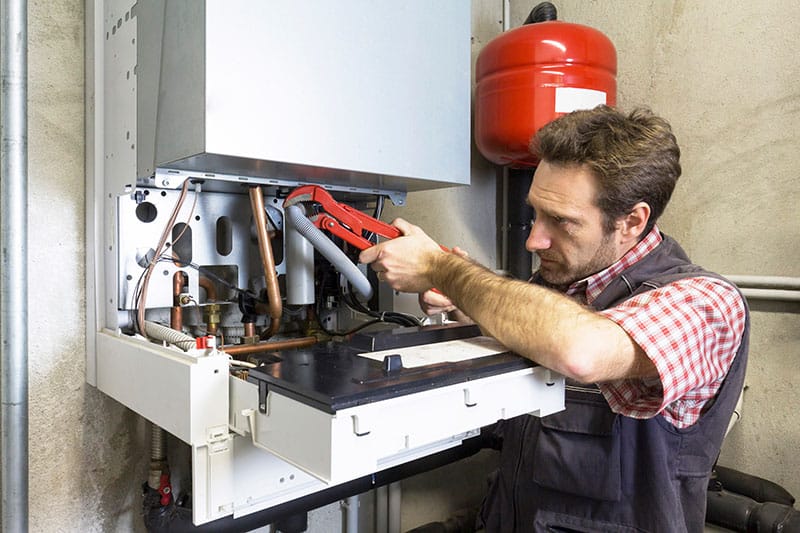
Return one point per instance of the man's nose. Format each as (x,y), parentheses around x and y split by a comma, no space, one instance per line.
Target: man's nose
(538,239)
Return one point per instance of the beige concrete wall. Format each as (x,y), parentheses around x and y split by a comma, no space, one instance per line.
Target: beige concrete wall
(88,454)
(86,450)
(720,71)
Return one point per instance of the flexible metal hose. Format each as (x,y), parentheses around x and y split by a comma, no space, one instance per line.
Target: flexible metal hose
(158,456)
(163,333)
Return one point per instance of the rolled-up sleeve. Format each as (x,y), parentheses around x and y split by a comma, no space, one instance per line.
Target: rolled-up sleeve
(691,330)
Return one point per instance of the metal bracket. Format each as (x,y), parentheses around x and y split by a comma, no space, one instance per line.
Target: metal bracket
(263,397)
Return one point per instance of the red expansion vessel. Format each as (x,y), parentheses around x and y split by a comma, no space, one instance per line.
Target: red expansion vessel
(530,75)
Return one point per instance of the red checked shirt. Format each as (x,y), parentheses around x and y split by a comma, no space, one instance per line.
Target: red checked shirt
(690,329)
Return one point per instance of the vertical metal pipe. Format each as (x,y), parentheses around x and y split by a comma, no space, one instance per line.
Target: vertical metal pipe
(13,270)
(267,260)
(395,506)
(351,514)
(519,215)
(504,228)
(382,509)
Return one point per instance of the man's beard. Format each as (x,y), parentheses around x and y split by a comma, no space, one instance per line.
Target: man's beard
(604,256)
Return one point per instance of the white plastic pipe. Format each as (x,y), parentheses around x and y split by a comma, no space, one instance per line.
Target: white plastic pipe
(771,294)
(766,282)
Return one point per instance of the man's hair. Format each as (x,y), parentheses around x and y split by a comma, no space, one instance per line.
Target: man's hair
(635,157)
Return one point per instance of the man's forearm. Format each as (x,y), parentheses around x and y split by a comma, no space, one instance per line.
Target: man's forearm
(536,322)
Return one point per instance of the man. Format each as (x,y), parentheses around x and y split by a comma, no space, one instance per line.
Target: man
(653,347)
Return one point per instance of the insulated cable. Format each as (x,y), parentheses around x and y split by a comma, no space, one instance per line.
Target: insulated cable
(142,297)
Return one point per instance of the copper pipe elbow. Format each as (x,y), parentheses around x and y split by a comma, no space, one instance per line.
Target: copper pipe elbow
(211,289)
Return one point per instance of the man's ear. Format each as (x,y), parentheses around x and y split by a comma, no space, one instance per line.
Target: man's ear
(631,226)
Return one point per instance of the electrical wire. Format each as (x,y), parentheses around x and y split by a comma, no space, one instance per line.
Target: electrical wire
(206,272)
(351,301)
(243,364)
(378,207)
(333,333)
(376,214)
(350,331)
(140,304)
(394,317)
(186,224)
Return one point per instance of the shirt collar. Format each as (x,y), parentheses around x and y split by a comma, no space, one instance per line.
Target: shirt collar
(593,285)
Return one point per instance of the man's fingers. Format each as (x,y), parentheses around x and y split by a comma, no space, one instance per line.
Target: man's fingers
(405,227)
(460,252)
(434,299)
(433,303)
(369,255)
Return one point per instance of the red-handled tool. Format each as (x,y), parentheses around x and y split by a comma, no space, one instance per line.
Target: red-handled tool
(340,219)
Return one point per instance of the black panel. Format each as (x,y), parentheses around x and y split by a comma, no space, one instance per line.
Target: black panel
(332,376)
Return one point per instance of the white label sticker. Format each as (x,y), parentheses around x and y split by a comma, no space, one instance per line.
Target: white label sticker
(442,352)
(570,99)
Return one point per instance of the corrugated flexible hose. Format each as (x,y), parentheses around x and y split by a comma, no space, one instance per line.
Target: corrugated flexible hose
(296,216)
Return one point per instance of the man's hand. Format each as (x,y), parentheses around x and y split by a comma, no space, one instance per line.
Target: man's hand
(405,263)
(434,302)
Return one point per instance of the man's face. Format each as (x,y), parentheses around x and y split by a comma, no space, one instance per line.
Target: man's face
(568,234)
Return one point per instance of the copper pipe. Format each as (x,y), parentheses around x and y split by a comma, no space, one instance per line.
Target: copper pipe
(267,259)
(249,329)
(243,349)
(176,318)
(211,289)
(176,312)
